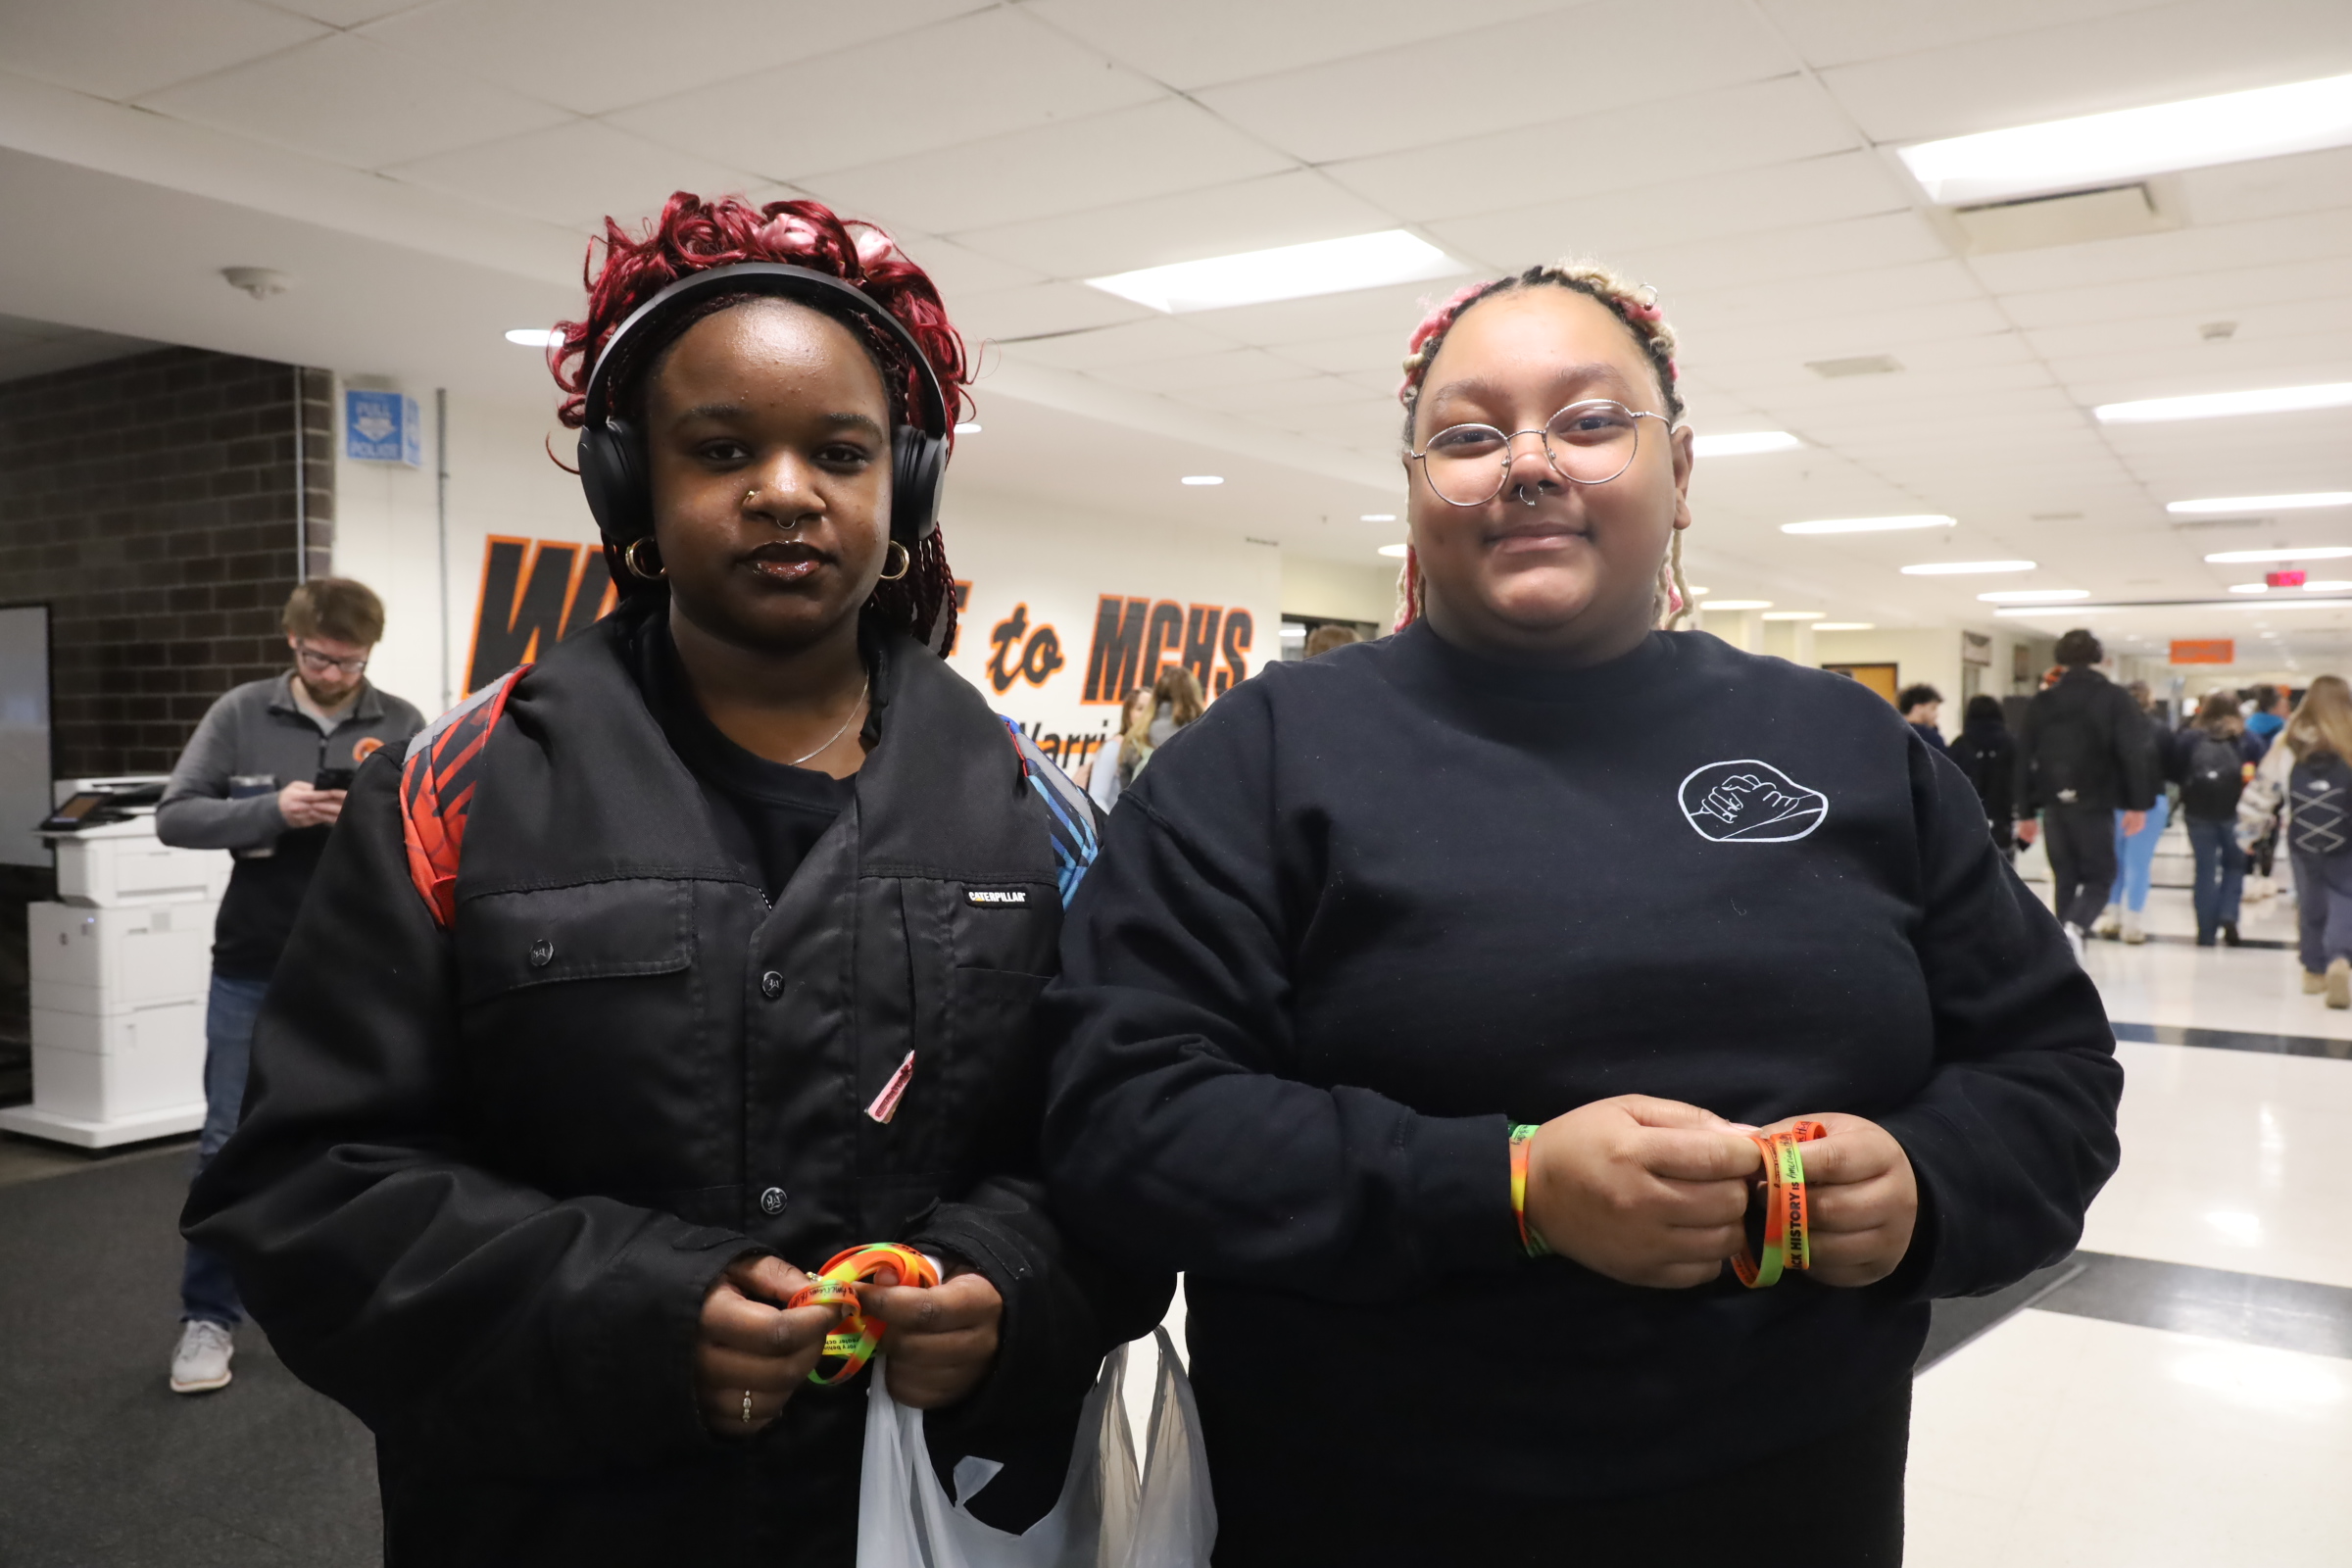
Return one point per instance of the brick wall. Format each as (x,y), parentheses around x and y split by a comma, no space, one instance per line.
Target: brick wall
(150,501)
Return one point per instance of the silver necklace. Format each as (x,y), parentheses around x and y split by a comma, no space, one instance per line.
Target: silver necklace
(845,724)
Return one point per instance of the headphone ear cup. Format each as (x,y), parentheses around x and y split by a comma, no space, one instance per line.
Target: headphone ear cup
(613,477)
(918,463)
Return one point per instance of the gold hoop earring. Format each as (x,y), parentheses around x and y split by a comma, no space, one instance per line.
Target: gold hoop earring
(906,561)
(628,559)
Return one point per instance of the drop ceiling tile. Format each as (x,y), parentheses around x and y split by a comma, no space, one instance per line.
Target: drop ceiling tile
(123,48)
(1713,208)
(1210,41)
(1392,312)
(1682,137)
(1068,166)
(1883,288)
(595,56)
(1468,81)
(1817,250)
(957,272)
(1276,398)
(355,101)
(1153,337)
(1231,367)
(1248,215)
(2294,359)
(1831,32)
(2092,65)
(2225,248)
(1377,353)
(849,108)
(2268,187)
(575,173)
(1039,308)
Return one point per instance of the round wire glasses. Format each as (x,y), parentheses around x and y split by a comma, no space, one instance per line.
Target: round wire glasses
(1586,443)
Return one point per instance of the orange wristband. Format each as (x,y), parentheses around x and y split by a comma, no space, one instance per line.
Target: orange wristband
(1788,1231)
(852,1340)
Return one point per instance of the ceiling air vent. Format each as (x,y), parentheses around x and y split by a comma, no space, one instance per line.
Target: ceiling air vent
(2219,522)
(2031,223)
(1859,365)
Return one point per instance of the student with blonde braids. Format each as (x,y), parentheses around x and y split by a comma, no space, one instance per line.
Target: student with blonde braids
(1424,1002)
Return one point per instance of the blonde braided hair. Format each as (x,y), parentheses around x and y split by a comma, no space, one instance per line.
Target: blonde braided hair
(1634,304)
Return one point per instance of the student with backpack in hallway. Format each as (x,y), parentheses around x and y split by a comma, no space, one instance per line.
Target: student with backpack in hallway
(2212,767)
(2316,785)
(2085,750)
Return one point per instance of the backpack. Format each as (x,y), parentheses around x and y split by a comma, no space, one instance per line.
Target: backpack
(2317,792)
(2216,777)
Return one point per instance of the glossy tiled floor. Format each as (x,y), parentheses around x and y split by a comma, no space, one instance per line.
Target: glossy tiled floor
(2061,1439)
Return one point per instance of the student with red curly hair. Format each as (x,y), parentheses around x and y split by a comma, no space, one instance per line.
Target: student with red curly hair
(1428,998)
(665,968)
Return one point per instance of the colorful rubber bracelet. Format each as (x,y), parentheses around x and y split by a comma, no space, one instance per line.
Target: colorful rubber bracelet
(1787,1229)
(1530,1241)
(852,1340)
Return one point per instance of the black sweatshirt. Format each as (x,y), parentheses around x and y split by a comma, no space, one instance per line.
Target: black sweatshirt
(1376,908)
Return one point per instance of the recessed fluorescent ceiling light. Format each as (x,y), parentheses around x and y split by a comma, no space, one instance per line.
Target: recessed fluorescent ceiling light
(1845,625)
(1700,593)
(1866,524)
(2249,587)
(2172,608)
(2306,553)
(2127,143)
(1204,478)
(1739,604)
(2222,405)
(1962,568)
(1796,614)
(2320,498)
(967,427)
(1394,552)
(1378,517)
(2032,596)
(1744,443)
(534,337)
(1286,272)
(2326,587)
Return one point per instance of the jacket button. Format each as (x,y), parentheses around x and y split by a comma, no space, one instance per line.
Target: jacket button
(543,954)
(771,985)
(771,1202)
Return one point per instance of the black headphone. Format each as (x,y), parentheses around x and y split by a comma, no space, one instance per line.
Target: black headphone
(612,463)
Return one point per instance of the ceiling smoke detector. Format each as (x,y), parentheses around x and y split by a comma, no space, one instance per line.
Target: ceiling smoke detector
(1858,364)
(261,282)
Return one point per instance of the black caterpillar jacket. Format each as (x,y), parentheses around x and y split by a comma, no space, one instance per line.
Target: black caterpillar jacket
(487,1174)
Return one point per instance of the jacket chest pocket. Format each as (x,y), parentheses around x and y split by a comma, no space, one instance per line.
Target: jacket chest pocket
(509,942)
(583,1028)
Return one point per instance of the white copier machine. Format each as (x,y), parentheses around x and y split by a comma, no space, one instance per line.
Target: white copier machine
(120,968)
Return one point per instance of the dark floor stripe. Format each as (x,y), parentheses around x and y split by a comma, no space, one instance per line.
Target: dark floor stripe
(2275,943)
(2172,1034)
(1964,1319)
(2213,1304)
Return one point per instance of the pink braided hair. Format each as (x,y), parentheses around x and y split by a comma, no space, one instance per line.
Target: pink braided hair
(1634,304)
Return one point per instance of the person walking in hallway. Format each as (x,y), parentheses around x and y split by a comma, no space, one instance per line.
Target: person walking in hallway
(2136,848)
(1922,705)
(1987,754)
(2211,769)
(263,778)
(2083,752)
(2317,745)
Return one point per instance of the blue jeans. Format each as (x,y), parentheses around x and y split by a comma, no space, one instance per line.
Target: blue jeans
(2323,907)
(2221,873)
(206,1289)
(2135,857)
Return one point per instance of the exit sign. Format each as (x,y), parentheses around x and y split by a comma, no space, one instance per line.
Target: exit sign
(2213,651)
(2283,579)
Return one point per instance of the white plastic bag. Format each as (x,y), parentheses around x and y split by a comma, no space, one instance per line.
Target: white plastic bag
(1106,1517)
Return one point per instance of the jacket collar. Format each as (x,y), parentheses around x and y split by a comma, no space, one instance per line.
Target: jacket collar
(366,710)
(586,786)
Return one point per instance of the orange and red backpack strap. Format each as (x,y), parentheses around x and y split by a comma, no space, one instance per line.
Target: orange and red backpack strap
(437,782)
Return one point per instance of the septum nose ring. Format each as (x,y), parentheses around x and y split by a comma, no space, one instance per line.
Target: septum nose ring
(1526,499)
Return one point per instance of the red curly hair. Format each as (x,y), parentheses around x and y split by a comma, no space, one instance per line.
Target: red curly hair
(692,235)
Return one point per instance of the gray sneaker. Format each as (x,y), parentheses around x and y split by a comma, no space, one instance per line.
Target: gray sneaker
(201,1363)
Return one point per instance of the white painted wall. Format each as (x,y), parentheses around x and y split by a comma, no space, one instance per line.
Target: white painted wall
(1056,563)
(1313,585)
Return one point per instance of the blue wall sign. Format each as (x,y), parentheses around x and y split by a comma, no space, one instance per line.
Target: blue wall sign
(383,427)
